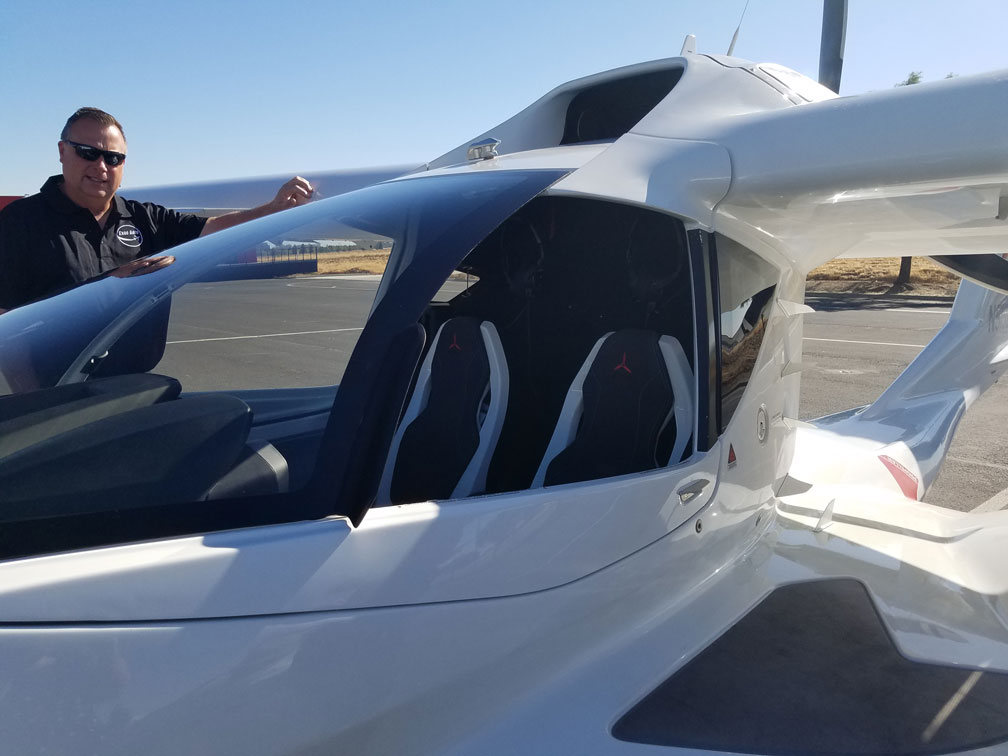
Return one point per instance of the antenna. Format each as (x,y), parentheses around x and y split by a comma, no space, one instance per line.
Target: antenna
(734,39)
(688,45)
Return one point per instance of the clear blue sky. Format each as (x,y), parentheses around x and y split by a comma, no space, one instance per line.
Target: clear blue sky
(211,90)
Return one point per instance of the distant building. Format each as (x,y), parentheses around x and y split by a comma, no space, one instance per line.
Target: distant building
(286,249)
(336,245)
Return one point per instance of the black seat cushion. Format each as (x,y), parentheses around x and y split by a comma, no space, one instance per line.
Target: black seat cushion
(438,445)
(627,401)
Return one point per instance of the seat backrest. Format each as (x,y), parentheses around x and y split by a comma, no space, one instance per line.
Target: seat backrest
(446,438)
(618,407)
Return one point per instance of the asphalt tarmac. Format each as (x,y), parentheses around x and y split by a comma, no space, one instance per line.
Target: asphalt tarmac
(273,333)
(300,331)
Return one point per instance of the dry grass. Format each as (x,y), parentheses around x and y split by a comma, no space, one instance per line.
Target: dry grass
(878,275)
(353,262)
(868,274)
(882,269)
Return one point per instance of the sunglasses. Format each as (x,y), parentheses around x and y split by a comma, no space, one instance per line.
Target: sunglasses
(89,153)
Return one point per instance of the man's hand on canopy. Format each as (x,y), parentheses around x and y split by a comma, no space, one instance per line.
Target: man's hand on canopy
(295,192)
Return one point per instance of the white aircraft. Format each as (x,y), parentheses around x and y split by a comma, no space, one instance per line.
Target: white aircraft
(560,502)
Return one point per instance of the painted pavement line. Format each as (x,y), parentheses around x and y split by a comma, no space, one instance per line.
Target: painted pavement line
(263,336)
(992,465)
(338,277)
(874,343)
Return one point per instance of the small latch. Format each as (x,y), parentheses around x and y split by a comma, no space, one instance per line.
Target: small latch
(94,362)
(689,492)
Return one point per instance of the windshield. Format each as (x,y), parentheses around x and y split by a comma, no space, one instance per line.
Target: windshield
(250,377)
(277,302)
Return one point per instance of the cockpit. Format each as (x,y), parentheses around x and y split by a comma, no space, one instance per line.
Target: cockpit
(516,340)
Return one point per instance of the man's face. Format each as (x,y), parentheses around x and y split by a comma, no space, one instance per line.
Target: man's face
(91,184)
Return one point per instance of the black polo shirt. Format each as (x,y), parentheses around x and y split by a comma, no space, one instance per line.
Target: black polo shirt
(48,243)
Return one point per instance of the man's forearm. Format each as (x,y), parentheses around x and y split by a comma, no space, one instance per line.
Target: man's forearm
(220,222)
(295,192)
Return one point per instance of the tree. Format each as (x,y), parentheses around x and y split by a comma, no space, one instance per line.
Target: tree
(903,278)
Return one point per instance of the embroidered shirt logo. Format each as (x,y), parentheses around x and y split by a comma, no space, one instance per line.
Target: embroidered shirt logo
(129,235)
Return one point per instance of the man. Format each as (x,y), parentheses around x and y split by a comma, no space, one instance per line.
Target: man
(77,227)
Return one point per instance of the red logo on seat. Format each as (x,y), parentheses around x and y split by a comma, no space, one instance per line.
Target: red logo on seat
(454,344)
(622,365)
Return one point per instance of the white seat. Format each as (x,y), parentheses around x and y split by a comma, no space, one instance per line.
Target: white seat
(621,435)
(444,443)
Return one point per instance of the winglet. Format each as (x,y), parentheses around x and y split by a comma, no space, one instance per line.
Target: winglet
(791,367)
(1000,356)
(791,309)
(790,423)
(827,517)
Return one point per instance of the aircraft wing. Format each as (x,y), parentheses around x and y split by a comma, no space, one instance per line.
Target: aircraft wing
(884,174)
(238,194)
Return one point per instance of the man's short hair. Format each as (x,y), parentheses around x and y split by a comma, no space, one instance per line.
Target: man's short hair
(94,114)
